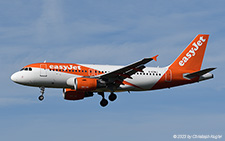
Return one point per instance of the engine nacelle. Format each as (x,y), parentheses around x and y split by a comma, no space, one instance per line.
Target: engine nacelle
(85,84)
(70,94)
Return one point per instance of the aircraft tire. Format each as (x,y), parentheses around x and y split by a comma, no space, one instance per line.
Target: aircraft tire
(41,97)
(112,97)
(104,102)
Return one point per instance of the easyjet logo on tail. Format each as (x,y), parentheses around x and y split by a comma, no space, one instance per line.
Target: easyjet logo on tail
(192,51)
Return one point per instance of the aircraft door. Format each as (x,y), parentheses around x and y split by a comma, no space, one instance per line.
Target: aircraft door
(168,76)
(91,72)
(43,70)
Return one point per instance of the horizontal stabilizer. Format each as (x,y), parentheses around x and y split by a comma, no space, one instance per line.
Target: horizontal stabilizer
(198,73)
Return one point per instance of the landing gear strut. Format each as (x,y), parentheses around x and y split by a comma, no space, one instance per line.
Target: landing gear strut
(42,90)
(103,102)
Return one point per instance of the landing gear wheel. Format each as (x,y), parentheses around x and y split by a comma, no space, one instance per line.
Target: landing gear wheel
(41,97)
(42,90)
(112,97)
(104,102)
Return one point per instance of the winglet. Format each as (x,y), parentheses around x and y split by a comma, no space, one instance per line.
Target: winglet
(155,57)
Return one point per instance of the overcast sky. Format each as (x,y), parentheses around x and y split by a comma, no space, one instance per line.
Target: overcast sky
(115,32)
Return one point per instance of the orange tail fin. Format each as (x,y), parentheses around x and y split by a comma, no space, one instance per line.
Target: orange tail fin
(191,58)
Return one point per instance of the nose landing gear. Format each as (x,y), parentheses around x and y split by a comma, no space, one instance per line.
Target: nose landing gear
(42,90)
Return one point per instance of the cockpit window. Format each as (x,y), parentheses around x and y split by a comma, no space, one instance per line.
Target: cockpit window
(26,69)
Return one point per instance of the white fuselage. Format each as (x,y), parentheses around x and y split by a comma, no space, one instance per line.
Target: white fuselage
(39,77)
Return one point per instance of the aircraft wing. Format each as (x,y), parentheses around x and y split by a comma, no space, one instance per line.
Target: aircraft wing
(116,77)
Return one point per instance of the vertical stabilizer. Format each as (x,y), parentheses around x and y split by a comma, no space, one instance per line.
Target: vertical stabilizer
(191,58)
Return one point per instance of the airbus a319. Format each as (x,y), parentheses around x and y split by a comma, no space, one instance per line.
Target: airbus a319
(80,81)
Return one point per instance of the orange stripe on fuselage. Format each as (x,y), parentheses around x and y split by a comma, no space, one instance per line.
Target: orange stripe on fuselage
(130,84)
(67,68)
(177,79)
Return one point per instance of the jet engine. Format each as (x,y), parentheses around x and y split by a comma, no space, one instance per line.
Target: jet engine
(85,84)
(71,94)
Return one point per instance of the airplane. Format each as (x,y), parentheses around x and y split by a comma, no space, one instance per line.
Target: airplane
(80,81)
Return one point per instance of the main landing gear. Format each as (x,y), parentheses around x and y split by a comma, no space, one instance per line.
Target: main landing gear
(42,90)
(105,102)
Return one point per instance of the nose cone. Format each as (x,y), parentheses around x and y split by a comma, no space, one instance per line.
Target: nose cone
(14,77)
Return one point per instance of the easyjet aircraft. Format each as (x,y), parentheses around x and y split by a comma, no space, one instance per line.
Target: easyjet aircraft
(79,81)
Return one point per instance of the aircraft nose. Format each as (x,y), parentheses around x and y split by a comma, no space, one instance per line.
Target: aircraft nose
(14,77)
